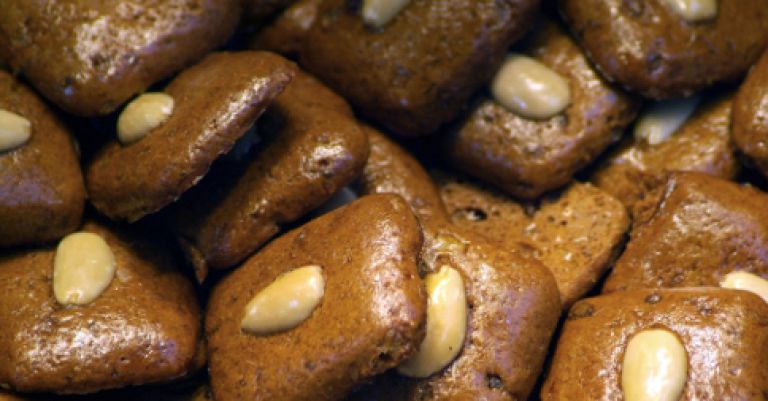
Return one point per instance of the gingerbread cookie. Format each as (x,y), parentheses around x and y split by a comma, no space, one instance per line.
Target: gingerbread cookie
(577,233)
(313,148)
(90,57)
(692,231)
(680,344)
(209,106)
(357,269)
(41,186)
(750,122)
(666,49)
(101,310)
(519,141)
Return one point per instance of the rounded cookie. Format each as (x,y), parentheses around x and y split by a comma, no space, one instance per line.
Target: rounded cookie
(369,319)
(691,231)
(650,49)
(143,328)
(417,71)
(89,57)
(41,186)
(527,157)
(215,103)
(750,116)
(703,144)
(513,302)
(314,147)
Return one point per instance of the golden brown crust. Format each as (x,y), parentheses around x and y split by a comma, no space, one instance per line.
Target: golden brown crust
(723,332)
(41,186)
(216,101)
(316,148)
(514,303)
(89,57)
(577,234)
(144,328)
(750,115)
(525,157)
(649,49)
(417,72)
(702,144)
(691,232)
(370,318)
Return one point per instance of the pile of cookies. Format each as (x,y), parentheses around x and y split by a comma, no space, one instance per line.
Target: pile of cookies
(384,200)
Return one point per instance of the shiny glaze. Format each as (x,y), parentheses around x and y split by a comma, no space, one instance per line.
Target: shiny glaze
(525,157)
(315,148)
(370,319)
(691,232)
(90,56)
(216,101)
(417,72)
(750,115)
(723,332)
(648,48)
(514,303)
(577,233)
(144,328)
(702,144)
(41,186)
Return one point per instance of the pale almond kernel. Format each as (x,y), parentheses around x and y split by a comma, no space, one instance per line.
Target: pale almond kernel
(15,130)
(530,89)
(446,324)
(378,13)
(694,10)
(655,367)
(741,280)
(286,302)
(142,115)
(662,119)
(83,268)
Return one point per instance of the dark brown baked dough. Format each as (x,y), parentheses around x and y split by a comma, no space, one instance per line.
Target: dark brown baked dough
(418,71)
(577,233)
(216,102)
(750,115)
(144,328)
(315,147)
(649,49)
(513,301)
(691,232)
(702,144)
(287,33)
(89,57)
(526,157)
(723,332)
(259,10)
(41,185)
(370,318)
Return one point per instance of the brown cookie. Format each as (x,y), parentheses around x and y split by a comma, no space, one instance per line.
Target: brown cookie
(703,144)
(750,116)
(691,232)
(216,102)
(649,48)
(41,185)
(90,57)
(722,331)
(416,72)
(526,157)
(258,10)
(369,319)
(314,147)
(513,301)
(577,234)
(144,328)
(286,34)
